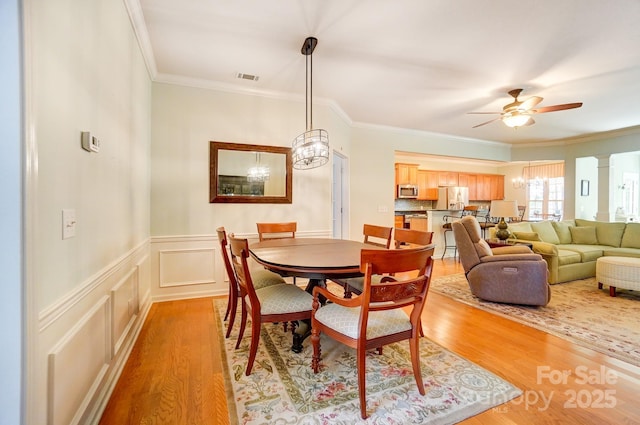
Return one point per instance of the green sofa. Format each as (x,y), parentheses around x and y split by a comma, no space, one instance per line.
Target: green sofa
(571,247)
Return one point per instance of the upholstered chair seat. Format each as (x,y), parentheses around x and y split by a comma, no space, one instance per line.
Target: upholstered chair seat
(283,299)
(345,321)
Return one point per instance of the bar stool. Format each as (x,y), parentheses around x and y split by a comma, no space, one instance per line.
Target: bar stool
(448,219)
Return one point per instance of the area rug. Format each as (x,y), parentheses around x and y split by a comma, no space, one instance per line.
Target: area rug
(578,311)
(282,388)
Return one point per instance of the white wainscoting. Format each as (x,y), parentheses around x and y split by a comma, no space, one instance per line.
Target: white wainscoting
(124,308)
(192,266)
(184,267)
(78,363)
(88,335)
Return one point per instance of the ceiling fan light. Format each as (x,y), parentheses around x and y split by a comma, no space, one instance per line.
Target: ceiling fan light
(515,119)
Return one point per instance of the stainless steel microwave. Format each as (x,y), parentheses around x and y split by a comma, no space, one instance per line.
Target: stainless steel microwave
(407,191)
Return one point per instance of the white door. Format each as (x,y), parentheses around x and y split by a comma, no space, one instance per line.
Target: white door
(340,196)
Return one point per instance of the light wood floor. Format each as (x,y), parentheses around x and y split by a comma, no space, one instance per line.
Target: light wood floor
(174,373)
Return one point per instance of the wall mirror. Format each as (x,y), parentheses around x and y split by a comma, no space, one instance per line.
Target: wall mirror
(242,173)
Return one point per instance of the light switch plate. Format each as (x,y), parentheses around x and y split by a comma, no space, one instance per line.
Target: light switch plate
(68,223)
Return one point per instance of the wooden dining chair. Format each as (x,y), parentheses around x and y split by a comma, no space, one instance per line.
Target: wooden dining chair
(377,235)
(376,317)
(403,238)
(277,231)
(373,235)
(260,278)
(271,304)
(411,237)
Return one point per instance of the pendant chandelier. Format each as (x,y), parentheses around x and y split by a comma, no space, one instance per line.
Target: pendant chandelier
(311,148)
(258,173)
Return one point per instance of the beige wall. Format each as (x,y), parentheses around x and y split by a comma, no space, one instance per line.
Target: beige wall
(186,119)
(83,72)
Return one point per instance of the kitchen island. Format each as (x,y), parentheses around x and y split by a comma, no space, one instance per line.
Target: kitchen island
(435,219)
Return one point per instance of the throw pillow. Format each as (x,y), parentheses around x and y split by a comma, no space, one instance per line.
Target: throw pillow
(631,238)
(546,232)
(609,233)
(585,235)
(562,229)
(527,236)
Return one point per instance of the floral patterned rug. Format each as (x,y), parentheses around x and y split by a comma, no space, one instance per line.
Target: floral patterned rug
(282,388)
(578,311)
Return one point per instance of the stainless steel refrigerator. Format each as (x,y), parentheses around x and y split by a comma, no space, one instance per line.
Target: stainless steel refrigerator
(452,198)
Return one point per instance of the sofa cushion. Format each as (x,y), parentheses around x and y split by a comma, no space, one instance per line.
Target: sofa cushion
(568,257)
(606,232)
(562,230)
(523,226)
(631,237)
(621,252)
(527,236)
(583,235)
(587,252)
(545,231)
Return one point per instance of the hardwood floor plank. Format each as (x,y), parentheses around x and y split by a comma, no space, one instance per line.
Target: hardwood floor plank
(174,373)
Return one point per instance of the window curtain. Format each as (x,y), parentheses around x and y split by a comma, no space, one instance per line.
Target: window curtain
(544,171)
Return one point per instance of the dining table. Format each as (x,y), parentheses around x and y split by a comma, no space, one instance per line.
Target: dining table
(316,259)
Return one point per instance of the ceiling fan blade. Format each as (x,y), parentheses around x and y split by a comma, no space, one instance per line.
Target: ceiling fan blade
(554,108)
(486,122)
(530,103)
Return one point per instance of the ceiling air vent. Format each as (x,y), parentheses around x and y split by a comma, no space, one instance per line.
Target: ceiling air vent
(247,77)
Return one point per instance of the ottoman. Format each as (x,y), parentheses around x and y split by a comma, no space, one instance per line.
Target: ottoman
(618,272)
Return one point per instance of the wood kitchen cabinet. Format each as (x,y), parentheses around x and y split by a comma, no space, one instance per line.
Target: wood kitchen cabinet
(427,185)
(406,173)
(483,187)
(497,187)
(399,221)
(447,178)
(470,181)
(419,223)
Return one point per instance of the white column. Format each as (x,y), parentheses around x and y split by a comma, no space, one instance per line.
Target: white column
(605,177)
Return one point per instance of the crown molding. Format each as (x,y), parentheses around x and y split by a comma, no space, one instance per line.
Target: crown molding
(142,34)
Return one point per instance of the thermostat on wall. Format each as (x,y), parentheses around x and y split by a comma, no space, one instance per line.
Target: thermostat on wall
(90,143)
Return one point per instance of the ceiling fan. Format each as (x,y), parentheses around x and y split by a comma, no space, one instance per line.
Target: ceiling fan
(519,113)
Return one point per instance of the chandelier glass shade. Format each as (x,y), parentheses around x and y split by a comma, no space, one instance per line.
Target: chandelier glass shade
(311,148)
(258,173)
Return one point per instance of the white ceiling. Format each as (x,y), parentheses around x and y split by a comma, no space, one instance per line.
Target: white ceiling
(415,64)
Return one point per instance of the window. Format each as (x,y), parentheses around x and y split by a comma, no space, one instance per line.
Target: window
(545,191)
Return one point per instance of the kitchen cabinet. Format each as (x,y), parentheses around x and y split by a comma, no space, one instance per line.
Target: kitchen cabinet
(406,174)
(399,221)
(418,223)
(483,188)
(427,185)
(497,187)
(470,181)
(447,178)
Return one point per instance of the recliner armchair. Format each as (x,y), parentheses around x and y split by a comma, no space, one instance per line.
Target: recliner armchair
(510,274)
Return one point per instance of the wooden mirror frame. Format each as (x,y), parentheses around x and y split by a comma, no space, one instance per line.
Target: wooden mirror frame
(215,197)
